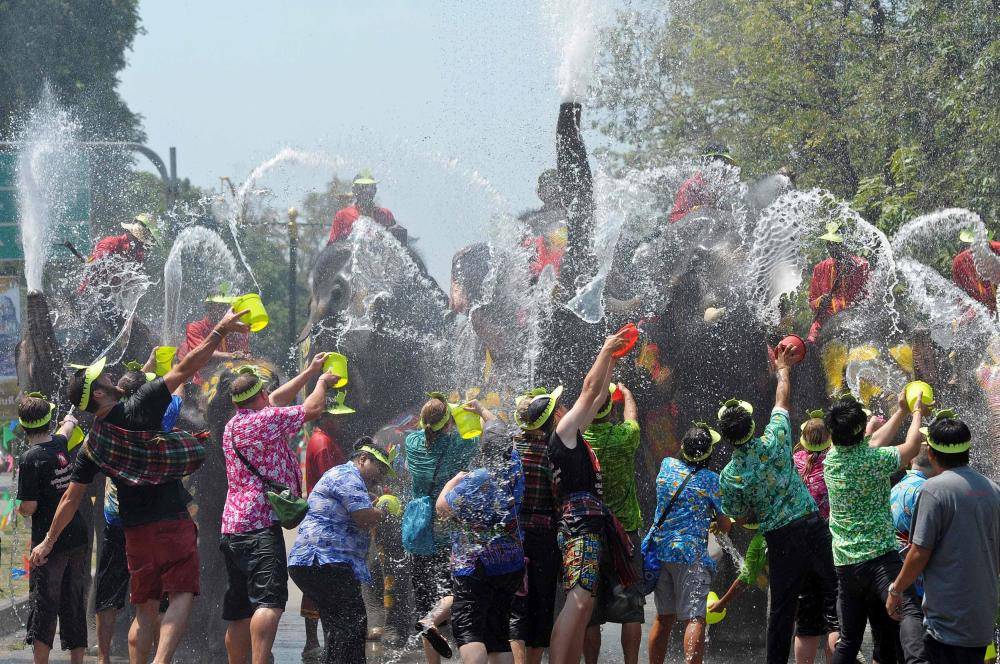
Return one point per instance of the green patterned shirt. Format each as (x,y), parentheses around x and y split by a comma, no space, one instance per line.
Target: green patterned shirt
(857,477)
(761,478)
(615,446)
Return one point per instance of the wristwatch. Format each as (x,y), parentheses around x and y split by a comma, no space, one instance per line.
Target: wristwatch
(893,591)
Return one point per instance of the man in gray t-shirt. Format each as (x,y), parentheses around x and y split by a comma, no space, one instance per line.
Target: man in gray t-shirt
(956,544)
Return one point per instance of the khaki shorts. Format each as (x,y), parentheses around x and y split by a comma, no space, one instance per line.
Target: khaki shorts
(682,590)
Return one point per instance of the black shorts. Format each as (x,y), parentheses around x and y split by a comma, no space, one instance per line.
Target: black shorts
(59,591)
(532,613)
(258,572)
(111,582)
(809,617)
(481,610)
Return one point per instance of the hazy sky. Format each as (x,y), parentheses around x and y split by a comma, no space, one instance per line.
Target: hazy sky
(430,94)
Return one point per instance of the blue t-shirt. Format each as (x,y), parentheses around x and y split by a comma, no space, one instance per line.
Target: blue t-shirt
(485,507)
(903,499)
(683,536)
(328,535)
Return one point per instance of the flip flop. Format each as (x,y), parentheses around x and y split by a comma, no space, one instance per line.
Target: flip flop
(438,642)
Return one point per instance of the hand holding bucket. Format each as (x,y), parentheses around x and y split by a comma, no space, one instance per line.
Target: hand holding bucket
(256,316)
(630,334)
(713,617)
(796,348)
(337,365)
(914,390)
(467,419)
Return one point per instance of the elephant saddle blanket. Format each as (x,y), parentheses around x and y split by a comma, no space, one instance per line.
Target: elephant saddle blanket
(144,457)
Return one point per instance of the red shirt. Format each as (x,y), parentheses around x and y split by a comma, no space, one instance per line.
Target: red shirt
(849,287)
(344,220)
(691,195)
(199,330)
(322,454)
(963,273)
(118,244)
(544,254)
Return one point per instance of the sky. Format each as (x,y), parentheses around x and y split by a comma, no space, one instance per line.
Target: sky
(452,104)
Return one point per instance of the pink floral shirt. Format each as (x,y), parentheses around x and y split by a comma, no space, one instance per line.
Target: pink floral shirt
(262,436)
(814,480)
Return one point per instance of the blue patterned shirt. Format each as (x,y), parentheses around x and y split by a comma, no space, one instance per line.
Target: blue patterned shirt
(485,506)
(683,537)
(328,535)
(902,500)
(761,478)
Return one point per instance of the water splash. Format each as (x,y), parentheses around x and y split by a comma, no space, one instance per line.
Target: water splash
(48,166)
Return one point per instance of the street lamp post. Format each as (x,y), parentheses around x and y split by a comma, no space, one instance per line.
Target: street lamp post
(293,256)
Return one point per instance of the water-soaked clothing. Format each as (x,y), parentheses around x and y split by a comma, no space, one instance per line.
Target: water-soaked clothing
(576,476)
(812,475)
(615,445)
(344,220)
(965,276)
(43,474)
(683,536)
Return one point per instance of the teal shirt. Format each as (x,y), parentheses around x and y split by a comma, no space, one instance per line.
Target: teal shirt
(858,479)
(761,478)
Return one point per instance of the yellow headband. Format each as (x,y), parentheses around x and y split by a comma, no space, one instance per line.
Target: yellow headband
(444,419)
(42,421)
(536,395)
(715,436)
(251,391)
(90,373)
(606,409)
(745,405)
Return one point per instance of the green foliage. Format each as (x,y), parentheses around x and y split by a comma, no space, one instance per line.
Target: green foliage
(891,105)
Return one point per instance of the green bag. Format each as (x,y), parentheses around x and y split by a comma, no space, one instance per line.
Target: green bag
(290,509)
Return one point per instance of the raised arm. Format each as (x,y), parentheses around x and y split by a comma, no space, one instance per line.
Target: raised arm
(911,448)
(887,432)
(285,395)
(315,403)
(576,192)
(441,506)
(595,390)
(630,411)
(484,413)
(181,372)
(66,427)
(783,364)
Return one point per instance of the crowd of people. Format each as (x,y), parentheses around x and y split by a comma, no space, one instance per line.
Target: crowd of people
(502,523)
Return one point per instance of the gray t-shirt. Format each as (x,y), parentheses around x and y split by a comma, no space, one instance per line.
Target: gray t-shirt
(957,517)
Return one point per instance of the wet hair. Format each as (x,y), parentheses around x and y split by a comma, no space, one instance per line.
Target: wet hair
(243,382)
(846,420)
(735,423)
(815,432)
(30,409)
(696,441)
(74,389)
(949,431)
(131,381)
(529,409)
(922,461)
(431,412)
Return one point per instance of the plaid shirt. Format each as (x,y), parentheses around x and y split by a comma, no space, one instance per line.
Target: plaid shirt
(538,510)
(143,458)
(262,437)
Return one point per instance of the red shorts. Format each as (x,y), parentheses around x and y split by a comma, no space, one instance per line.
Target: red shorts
(162,559)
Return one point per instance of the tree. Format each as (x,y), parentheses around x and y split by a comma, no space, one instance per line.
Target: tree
(893,105)
(78,48)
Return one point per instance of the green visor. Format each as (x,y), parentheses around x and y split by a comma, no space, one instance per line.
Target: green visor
(386,460)
(543,417)
(91,373)
(42,421)
(606,408)
(135,366)
(731,403)
(967,236)
(254,389)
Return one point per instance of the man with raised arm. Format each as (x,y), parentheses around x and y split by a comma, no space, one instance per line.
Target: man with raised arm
(761,479)
(161,541)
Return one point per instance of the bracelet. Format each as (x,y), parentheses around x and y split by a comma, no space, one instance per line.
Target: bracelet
(217,331)
(893,591)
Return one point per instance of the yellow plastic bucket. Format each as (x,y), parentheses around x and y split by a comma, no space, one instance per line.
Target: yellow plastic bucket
(75,438)
(257,318)
(915,388)
(164,356)
(337,365)
(713,617)
(469,424)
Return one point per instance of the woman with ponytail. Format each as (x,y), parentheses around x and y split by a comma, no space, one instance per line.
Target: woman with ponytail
(435,453)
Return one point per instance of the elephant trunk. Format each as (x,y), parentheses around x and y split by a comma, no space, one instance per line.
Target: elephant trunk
(40,360)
